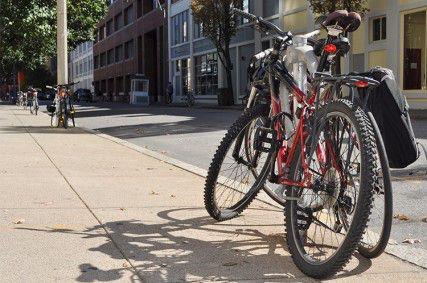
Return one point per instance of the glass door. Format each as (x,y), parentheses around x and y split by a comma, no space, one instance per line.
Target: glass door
(415,50)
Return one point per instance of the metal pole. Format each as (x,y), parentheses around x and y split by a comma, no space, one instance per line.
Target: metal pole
(62,52)
(62,45)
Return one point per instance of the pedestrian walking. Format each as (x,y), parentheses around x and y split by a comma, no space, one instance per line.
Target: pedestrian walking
(169,99)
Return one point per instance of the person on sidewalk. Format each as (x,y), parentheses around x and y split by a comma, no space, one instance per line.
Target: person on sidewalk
(169,98)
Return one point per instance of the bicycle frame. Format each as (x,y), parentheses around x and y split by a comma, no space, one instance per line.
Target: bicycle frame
(286,154)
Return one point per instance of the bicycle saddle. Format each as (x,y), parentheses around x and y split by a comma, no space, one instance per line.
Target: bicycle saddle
(348,21)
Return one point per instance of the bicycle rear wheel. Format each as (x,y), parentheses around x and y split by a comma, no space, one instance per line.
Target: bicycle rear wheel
(230,185)
(325,222)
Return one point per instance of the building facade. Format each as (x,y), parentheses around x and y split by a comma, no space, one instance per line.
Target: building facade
(392,35)
(131,42)
(80,66)
(194,64)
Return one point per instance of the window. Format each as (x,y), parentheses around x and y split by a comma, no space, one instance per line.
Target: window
(118,21)
(206,71)
(109,27)
(103,59)
(180,28)
(101,33)
(96,62)
(414,51)
(198,30)
(270,8)
(379,29)
(110,56)
(128,15)
(129,50)
(139,9)
(245,7)
(182,72)
(119,85)
(90,64)
(119,53)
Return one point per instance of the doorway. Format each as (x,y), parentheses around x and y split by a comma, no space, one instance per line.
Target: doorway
(151,66)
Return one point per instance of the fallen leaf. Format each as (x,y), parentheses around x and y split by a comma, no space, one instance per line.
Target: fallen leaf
(154,193)
(411,241)
(19,221)
(122,208)
(402,217)
(150,169)
(126,265)
(173,196)
(229,264)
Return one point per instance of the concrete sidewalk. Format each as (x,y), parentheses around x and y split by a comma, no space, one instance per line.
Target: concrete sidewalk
(79,207)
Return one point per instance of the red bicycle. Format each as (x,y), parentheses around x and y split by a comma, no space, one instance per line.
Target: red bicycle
(320,150)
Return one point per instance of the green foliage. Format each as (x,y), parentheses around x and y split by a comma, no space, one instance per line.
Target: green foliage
(324,7)
(28,30)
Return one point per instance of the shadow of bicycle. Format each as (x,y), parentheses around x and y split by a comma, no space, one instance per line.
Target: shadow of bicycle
(176,248)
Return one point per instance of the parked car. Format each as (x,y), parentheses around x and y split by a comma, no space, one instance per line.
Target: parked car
(83,94)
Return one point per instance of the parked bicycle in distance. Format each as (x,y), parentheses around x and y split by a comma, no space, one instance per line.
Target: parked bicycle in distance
(33,101)
(188,98)
(62,110)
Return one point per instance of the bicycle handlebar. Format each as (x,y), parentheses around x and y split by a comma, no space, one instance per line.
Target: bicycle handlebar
(263,24)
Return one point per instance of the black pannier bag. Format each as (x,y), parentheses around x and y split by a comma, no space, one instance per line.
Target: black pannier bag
(391,112)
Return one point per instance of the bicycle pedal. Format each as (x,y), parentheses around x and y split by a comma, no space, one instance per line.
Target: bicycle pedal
(265,140)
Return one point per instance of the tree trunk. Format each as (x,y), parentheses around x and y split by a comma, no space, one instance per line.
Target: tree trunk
(229,69)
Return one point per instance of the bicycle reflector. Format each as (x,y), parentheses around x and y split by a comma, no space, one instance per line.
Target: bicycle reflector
(330,48)
(361,84)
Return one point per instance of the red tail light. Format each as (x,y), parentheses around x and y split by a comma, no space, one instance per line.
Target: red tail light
(361,84)
(330,48)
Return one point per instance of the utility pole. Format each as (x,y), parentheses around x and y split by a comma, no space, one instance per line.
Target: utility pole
(61,51)
(62,44)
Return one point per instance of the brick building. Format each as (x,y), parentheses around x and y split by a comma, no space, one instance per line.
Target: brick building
(131,42)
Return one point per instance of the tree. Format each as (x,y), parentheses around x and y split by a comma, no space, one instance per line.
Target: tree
(28,30)
(325,7)
(219,26)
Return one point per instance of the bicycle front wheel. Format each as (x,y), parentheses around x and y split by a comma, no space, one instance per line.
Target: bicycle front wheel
(230,185)
(325,221)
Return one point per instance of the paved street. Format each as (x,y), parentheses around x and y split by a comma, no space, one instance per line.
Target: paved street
(192,136)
